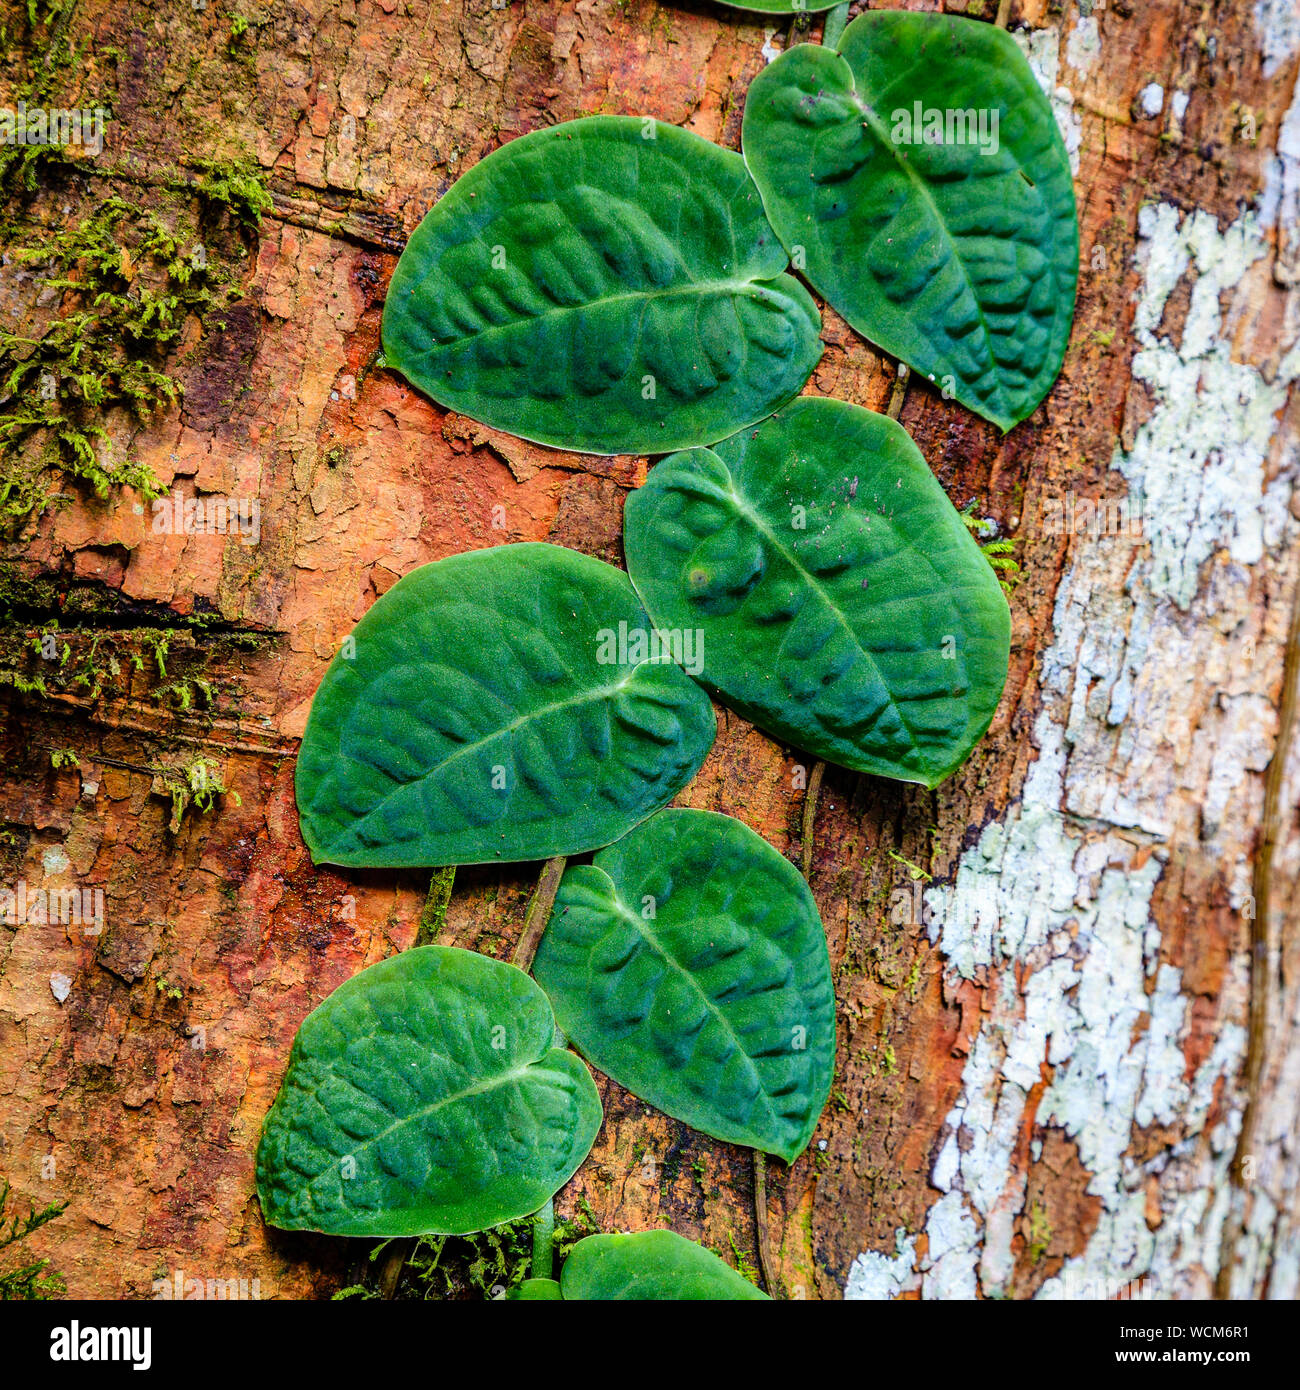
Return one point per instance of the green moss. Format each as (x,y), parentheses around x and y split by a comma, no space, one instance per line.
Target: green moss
(996,551)
(914,871)
(30,1280)
(484,1265)
(196,784)
(1040,1232)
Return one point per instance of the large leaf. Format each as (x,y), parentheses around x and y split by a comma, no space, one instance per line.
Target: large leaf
(688,962)
(959,258)
(842,603)
(484,709)
(609,284)
(424,1096)
(650,1265)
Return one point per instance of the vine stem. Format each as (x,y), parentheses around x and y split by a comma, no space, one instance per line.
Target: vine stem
(434,912)
(763,1238)
(538,913)
(899,392)
(810,816)
(1004,14)
(836,19)
(544,1241)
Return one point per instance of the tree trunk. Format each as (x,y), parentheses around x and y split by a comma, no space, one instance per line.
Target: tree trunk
(1068,980)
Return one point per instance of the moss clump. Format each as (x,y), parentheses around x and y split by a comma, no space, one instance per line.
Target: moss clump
(484,1265)
(127,280)
(995,550)
(196,783)
(27,1281)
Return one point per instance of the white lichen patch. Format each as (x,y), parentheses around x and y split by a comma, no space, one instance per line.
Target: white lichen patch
(1152,99)
(876,1277)
(1083,48)
(1278,24)
(1042,47)
(1157,706)
(1196,469)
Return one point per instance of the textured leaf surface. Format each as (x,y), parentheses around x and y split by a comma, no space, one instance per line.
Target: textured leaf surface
(960,262)
(650,1265)
(610,284)
(688,962)
(474,719)
(424,1096)
(844,606)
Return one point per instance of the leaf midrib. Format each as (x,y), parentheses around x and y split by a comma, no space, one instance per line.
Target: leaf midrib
(878,129)
(699,288)
(759,524)
(481,1087)
(652,940)
(603,692)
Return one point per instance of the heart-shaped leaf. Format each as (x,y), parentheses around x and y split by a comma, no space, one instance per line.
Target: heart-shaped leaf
(688,962)
(610,285)
(918,177)
(843,604)
(496,705)
(424,1097)
(650,1265)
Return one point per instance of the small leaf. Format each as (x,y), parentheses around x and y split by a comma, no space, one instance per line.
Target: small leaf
(688,962)
(650,1265)
(958,255)
(534,1290)
(842,603)
(609,284)
(485,710)
(424,1097)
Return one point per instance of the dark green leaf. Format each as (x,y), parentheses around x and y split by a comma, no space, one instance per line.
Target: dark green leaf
(843,604)
(609,284)
(650,1265)
(483,710)
(424,1097)
(688,962)
(959,258)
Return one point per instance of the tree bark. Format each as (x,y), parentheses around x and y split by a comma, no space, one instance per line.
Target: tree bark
(1068,980)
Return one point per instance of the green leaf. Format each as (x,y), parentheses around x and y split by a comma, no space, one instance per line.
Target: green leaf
(688,962)
(424,1097)
(482,711)
(534,1290)
(650,1265)
(610,285)
(959,258)
(842,603)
